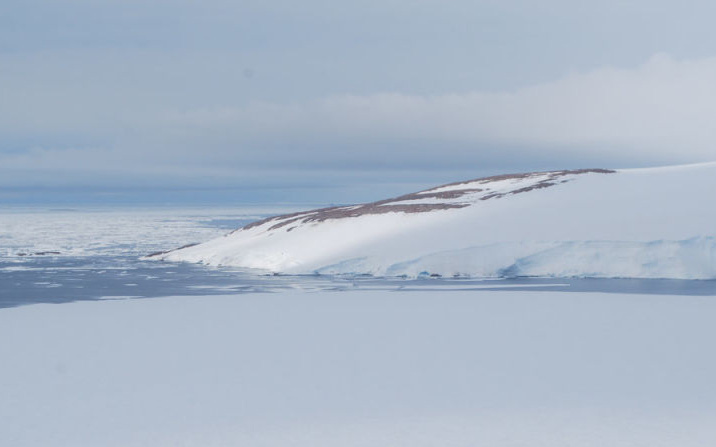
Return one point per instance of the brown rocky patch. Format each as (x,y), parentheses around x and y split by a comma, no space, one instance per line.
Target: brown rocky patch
(159,253)
(392,205)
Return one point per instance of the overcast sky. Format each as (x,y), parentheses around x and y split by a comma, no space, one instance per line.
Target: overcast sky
(347,100)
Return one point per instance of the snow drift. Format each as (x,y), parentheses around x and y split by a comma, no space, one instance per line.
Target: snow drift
(637,223)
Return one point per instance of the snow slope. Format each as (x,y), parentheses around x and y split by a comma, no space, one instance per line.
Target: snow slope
(640,223)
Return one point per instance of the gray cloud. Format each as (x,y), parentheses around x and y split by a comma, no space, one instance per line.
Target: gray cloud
(128,92)
(656,113)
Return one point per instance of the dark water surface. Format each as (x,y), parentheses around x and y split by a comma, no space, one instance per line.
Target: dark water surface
(47,279)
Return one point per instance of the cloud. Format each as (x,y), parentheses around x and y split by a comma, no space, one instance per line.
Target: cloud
(657,113)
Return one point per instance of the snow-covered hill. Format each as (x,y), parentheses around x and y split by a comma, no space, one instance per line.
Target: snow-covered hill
(640,223)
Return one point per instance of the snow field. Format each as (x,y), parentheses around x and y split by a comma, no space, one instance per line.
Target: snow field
(451,368)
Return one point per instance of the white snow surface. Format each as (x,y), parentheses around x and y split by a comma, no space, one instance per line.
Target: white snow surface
(356,369)
(637,223)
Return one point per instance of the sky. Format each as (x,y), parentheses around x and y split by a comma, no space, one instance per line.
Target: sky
(323,101)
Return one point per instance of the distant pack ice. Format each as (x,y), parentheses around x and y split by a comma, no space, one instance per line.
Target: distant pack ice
(633,223)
